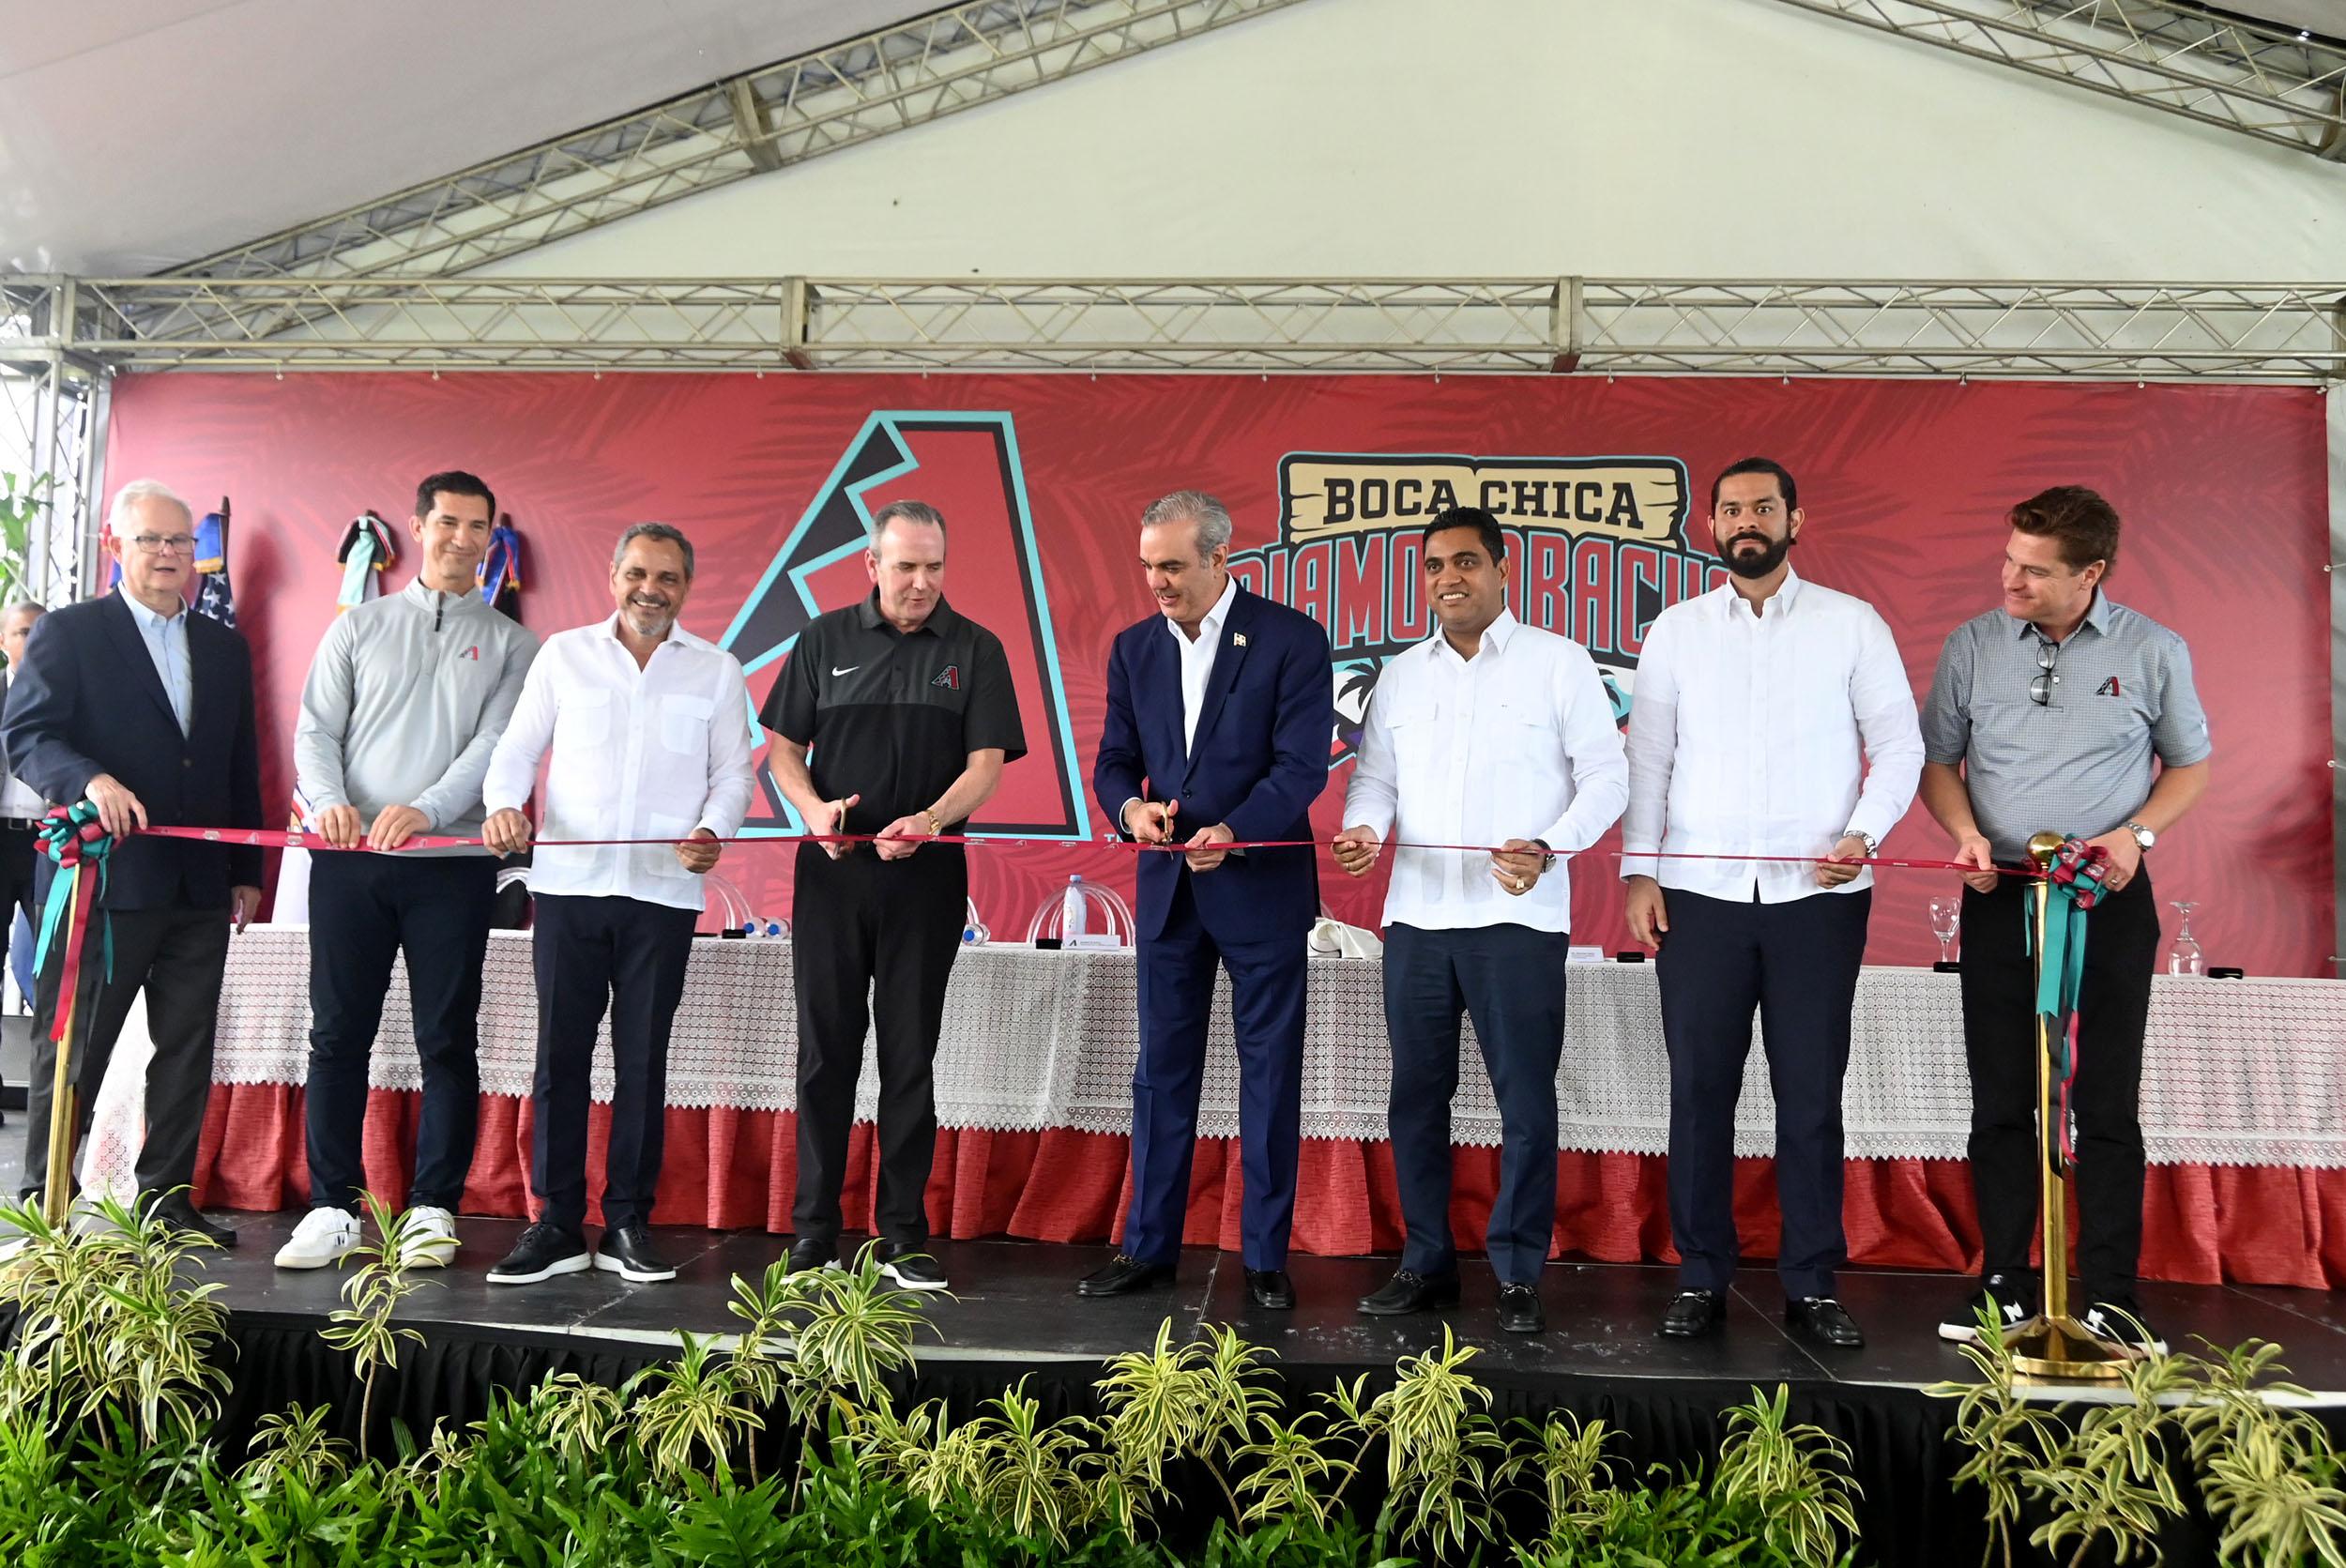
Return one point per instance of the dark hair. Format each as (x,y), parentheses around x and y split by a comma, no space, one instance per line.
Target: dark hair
(454,482)
(912,514)
(2077,519)
(1784,484)
(1482,522)
(658,531)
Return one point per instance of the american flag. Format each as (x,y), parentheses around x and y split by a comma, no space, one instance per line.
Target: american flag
(213,597)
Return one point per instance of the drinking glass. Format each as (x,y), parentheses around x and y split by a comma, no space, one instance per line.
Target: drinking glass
(2184,958)
(1946,919)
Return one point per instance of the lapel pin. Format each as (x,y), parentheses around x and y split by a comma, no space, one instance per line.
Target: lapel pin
(1239,638)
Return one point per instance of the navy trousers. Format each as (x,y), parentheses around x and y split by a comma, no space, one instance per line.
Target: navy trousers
(1509,979)
(1796,964)
(1267,983)
(364,911)
(594,954)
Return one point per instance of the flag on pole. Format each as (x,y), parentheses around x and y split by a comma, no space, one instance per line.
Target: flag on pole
(499,572)
(366,549)
(213,597)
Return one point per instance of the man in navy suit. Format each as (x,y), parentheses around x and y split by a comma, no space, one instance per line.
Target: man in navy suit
(1220,709)
(145,710)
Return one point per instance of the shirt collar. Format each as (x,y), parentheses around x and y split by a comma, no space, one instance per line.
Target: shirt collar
(1210,626)
(147,617)
(2096,617)
(1780,602)
(1496,636)
(941,620)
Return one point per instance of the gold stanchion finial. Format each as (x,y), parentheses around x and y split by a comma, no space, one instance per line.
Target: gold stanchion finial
(2053,1344)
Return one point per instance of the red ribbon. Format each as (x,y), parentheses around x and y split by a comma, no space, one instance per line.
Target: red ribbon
(274,838)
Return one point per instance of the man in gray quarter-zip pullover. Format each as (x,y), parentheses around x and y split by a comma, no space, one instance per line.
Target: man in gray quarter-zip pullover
(404,703)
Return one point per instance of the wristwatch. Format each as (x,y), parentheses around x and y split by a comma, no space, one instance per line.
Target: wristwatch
(1545,847)
(2143,837)
(1871,843)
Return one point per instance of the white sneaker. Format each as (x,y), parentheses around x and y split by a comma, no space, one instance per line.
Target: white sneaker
(323,1236)
(430,1238)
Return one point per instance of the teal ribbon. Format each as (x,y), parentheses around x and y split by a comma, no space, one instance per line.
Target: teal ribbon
(2061,975)
(66,838)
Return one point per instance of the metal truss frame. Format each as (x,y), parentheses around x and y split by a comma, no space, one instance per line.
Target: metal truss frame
(2173,55)
(2131,331)
(778,114)
(53,423)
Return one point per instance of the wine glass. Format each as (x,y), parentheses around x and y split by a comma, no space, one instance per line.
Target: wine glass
(2183,957)
(1946,919)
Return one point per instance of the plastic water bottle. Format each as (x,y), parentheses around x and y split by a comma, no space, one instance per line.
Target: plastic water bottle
(1071,909)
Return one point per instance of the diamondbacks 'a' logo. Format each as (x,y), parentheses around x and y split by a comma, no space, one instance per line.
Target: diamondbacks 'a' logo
(968,464)
(1597,548)
(2107,688)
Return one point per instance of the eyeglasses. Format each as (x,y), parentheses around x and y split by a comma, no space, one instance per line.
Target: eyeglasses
(157,544)
(2040,685)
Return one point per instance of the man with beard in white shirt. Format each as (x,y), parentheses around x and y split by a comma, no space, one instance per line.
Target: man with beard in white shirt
(1496,733)
(1772,719)
(649,727)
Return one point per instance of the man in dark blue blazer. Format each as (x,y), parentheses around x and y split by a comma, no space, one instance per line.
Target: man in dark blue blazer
(145,710)
(1220,708)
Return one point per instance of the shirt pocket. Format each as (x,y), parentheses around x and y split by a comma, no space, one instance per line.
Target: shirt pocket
(684,724)
(659,860)
(583,720)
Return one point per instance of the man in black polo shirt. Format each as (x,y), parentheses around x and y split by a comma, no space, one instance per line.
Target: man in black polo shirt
(909,711)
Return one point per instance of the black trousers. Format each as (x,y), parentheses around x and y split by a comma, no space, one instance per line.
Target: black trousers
(591,955)
(177,956)
(364,911)
(872,947)
(20,848)
(1797,965)
(1510,979)
(1999,1046)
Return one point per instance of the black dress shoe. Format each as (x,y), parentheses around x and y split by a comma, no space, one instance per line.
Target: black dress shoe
(182,1216)
(627,1252)
(542,1252)
(1123,1276)
(1408,1291)
(910,1268)
(1694,1314)
(812,1252)
(1519,1309)
(1826,1321)
(1270,1289)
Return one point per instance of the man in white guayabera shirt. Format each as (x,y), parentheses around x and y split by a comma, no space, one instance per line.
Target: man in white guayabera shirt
(404,702)
(1772,719)
(1489,731)
(649,727)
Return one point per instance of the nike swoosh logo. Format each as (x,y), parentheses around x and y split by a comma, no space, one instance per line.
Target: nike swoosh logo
(849,670)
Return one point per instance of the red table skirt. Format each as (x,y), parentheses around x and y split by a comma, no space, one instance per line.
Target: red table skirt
(736,1169)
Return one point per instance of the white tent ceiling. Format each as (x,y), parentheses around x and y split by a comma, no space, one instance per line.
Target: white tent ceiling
(137,136)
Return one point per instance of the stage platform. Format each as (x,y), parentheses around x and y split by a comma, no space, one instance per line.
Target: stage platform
(1012,1313)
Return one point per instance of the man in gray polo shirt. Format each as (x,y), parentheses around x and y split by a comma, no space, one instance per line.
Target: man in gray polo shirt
(2054,706)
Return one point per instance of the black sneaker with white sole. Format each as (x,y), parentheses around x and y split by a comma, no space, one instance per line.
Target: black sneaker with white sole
(2011,1297)
(543,1252)
(910,1268)
(2119,1317)
(627,1252)
(812,1252)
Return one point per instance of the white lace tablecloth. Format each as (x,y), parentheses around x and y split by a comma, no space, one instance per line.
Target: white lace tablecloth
(2236,1071)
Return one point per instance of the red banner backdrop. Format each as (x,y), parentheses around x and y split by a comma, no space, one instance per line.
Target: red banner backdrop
(1604,487)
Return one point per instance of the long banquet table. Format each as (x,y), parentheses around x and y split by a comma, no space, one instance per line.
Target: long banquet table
(2244,1108)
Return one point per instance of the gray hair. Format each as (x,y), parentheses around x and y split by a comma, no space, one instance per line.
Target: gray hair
(130,495)
(918,514)
(20,606)
(672,534)
(1193,506)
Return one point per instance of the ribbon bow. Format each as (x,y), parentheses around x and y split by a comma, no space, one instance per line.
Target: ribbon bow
(2077,879)
(73,838)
